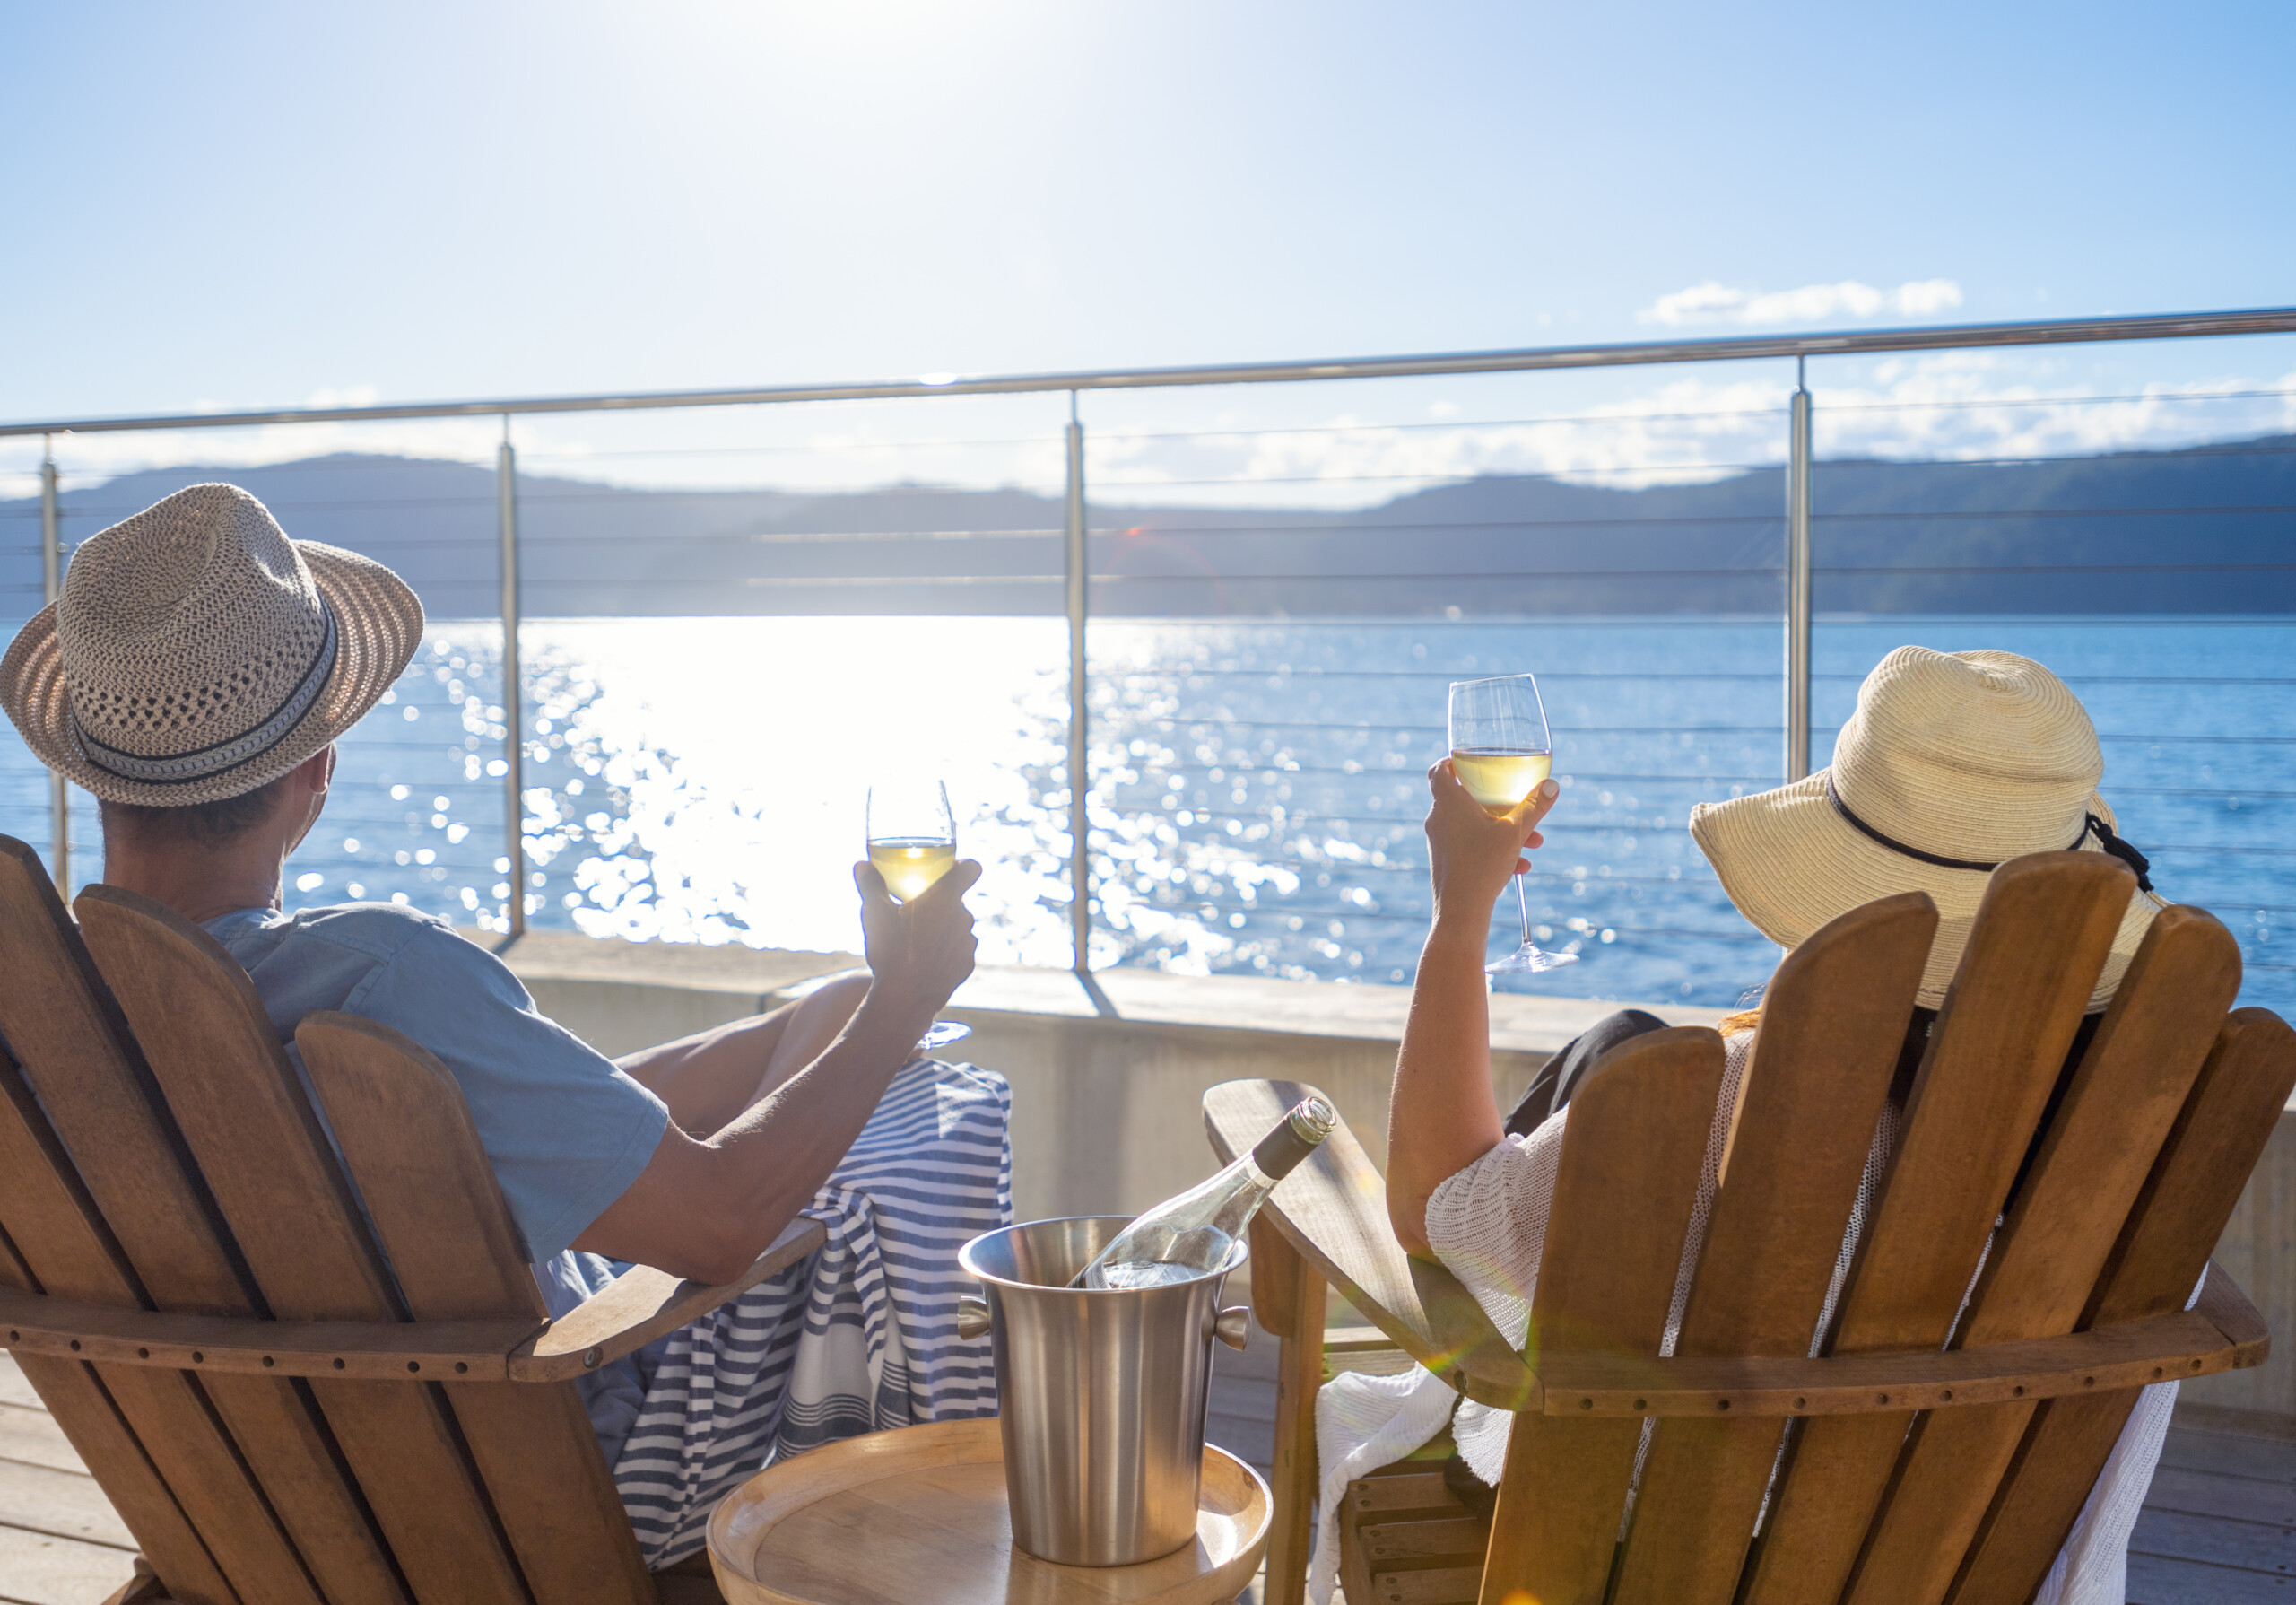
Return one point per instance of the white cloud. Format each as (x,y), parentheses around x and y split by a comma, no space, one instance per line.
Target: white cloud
(328,397)
(1932,407)
(1922,297)
(84,458)
(1716,302)
(1689,425)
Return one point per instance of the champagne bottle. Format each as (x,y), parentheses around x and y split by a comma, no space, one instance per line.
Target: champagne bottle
(1188,1236)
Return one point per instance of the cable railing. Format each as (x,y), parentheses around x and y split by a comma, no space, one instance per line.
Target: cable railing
(1252,799)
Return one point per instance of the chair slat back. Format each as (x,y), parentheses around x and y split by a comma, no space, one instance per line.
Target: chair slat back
(406,1136)
(1624,1189)
(67,1249)
(2041,937)
(67,1031)
(2186,1200)
(1832,1020)
(129,1221)
(242,1111)
(2100,1146)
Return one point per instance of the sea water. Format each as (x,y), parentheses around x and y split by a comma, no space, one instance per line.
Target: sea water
(1257,786)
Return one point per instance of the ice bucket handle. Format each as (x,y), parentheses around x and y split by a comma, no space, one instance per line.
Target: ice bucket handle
(1233,1326)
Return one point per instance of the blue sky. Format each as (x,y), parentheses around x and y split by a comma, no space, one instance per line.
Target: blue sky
(243,204)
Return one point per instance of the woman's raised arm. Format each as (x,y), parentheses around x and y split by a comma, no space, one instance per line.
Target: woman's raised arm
(1441,1115)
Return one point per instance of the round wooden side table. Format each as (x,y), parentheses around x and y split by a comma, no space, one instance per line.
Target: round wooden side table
(917,1516)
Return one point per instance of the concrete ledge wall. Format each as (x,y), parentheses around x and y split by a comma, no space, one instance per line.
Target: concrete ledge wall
(1106,1109)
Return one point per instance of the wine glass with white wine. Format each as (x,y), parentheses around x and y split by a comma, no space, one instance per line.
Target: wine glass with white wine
(1501,751)
(912,840)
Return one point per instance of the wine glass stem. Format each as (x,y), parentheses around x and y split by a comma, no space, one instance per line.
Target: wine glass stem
(1523,902)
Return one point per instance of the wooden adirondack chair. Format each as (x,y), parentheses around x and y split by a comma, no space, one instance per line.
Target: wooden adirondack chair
(1924,1462)
(288,1401)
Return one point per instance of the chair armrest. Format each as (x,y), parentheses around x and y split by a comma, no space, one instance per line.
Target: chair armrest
(641,1304)
(2131,1355)
(1333,1208)
(364,1350)
(2227,1309)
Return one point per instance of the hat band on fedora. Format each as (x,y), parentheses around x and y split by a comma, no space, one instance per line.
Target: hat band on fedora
(228,754)
(2090,824)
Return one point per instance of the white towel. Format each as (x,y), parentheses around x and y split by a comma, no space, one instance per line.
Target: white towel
(1362,1423)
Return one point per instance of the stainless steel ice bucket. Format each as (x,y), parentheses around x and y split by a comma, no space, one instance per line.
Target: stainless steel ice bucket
(1101,1392)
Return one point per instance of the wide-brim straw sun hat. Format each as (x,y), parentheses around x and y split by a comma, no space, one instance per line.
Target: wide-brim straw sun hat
(1953,764)
(196,653)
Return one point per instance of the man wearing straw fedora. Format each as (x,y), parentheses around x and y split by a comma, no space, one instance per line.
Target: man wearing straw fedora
(1953,763)
(196,674)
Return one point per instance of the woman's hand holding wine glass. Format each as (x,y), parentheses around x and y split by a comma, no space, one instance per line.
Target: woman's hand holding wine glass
(1473,852)
(1500,753)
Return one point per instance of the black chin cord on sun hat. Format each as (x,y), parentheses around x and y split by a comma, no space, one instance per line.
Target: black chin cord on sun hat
(2122,850)
(2106,839)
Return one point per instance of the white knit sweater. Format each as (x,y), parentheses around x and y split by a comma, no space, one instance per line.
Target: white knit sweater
(1487,1224)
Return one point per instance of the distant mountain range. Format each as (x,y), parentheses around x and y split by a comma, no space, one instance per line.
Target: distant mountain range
(2207,529)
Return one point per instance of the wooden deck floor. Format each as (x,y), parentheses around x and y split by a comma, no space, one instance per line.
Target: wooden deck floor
(60,1544)
(2218,1529)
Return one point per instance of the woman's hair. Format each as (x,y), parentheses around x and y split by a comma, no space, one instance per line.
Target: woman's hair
(1749,1012)
(193,824)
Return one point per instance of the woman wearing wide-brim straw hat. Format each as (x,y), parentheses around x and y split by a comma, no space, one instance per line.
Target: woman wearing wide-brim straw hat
(1953,763)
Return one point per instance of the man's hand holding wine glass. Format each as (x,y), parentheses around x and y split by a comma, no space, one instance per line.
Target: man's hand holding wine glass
(920,951)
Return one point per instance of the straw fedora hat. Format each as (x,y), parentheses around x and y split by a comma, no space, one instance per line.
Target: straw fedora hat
(1954,763)
(196,653)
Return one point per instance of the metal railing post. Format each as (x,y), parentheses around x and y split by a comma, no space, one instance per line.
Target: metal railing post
(514,807)
(1797,581)
(51,586)
(1080,776)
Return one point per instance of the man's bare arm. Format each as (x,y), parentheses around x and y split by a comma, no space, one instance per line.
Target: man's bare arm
(708,1078)
(706,1208)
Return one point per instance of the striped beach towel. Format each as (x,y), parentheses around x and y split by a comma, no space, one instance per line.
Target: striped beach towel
(858,1336)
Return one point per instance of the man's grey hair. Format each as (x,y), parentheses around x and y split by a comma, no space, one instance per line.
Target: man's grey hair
(194,824)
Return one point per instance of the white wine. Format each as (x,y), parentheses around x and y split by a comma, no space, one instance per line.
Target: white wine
(1191,1235)
(911,864)
(1499,779)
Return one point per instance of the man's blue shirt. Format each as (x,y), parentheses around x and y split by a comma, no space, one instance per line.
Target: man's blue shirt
(566,1132)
